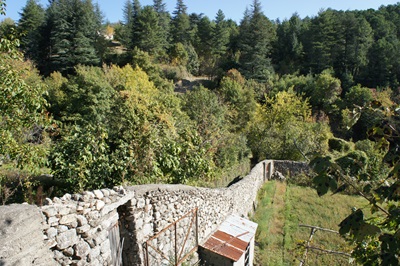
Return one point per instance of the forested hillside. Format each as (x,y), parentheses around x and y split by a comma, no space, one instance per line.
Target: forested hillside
(87,104)
(106,108)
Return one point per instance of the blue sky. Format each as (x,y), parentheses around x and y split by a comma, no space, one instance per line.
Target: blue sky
(233,9)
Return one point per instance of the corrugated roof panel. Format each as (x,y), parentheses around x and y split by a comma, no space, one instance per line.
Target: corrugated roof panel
(239,227)
(222,236)
(231,252)
(212,242)
(232,238)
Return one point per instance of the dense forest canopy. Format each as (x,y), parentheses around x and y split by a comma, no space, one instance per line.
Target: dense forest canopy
(97,104)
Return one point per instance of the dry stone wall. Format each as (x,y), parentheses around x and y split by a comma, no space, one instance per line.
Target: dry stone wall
(79,229)
(291,168)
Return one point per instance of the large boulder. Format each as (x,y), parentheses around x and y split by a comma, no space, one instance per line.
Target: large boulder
(22,238)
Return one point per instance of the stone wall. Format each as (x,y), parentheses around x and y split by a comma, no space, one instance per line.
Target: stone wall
(291,168)
(80,229)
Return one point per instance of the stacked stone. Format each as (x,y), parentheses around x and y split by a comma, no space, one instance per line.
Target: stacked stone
(157,208)
(78,226)
(291,168)
(245,192)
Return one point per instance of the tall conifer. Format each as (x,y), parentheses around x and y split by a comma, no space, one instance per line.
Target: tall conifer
(257,34)
(32,17)
(181,24)
(75,26)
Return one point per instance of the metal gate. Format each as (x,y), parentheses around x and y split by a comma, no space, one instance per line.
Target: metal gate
(116,245)
(174,244)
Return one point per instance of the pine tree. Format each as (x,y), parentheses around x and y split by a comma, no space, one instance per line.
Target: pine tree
(135,32)
(220,35)
(45,42)
(73,36)
(257,35)
(324,39)
(180,24)
(125,32)
(288,50)
(148,31)
(32,17)
(164,21)
(159,6)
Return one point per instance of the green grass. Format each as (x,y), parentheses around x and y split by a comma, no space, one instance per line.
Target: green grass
(282,207)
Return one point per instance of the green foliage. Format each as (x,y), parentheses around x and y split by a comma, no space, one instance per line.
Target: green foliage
(81,159)
(283,129)
(180,24)
(339,145)
(32,18)
(7,27)
(288,50)
(324,91)
(220,35)
(179,55)
(372,172)
(358,96)
(185,160)
(255,45)
(89,97)
(22,115)
(71,30)
(239,99)
(218,137)
(123,32)
(148,32)
(204,107)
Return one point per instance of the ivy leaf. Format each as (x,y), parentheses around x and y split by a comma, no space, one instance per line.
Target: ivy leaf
(352,222)
(323,183)
(367,188)
(366,230)
(389,249)
(321,164)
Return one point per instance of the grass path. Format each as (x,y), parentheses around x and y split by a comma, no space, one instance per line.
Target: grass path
(270,235)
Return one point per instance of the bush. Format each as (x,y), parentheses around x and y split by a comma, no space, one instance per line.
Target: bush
(339,145)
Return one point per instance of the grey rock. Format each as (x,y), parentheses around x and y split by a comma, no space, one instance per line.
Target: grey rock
(76,197)
(63,210)
(66,197)
(82,249)
(57,200)
(69,219)
(81,220)
(83,229)
(58,255)
(52,221)
(139,223)
(105,246)
(99,205)
(90,194)
(47,201)
(105,192)
(51,232)
(140,203)
(67,239)
(98,194)
(93,215)
(69,252)
(49,211)
(62,228)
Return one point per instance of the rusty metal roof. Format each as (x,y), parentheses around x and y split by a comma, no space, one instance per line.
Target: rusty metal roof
(232,237)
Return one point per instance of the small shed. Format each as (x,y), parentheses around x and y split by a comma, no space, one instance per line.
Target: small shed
(232,244)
